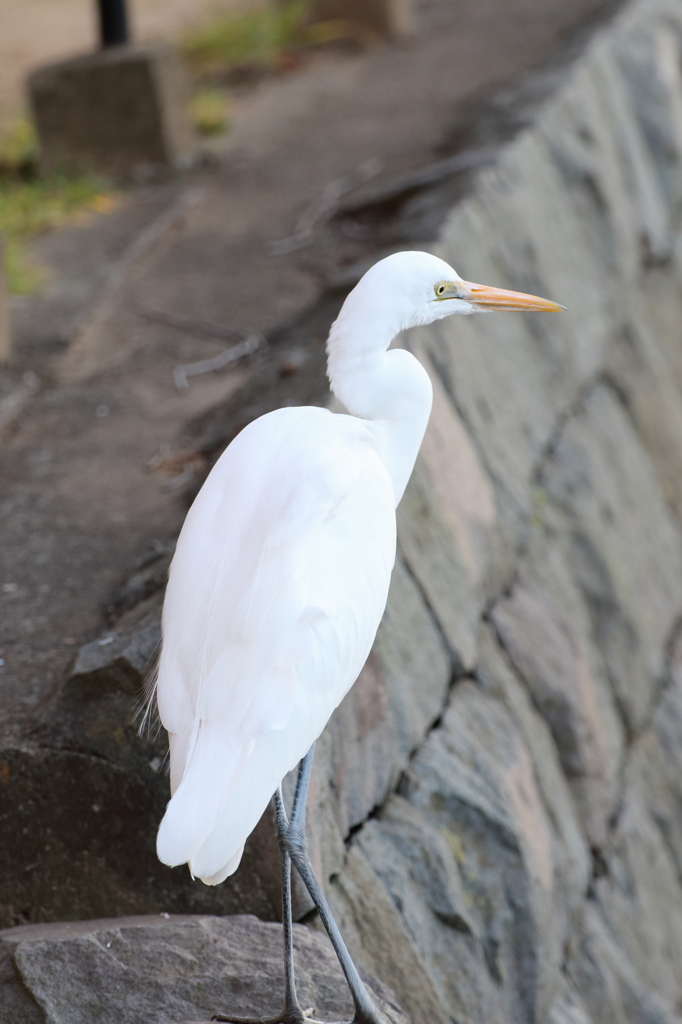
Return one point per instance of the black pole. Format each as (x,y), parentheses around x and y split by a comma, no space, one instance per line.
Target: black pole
(113,22)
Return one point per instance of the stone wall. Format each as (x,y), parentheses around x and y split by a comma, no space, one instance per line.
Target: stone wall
(514,748)
(496,807)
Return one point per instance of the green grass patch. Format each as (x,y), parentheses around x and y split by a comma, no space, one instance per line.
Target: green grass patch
(18,148)
(231,41)
(29,207)
(30,204)
(209,111)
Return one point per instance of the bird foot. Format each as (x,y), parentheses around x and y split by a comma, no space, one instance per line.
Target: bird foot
(295,1015)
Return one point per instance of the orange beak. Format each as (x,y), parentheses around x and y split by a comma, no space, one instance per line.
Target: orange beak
(496,299)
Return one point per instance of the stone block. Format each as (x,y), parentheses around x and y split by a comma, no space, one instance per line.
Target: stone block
(654,769)
(609,985)
(474,782)
(120,112)
(568,1007)
(545,629)
(378,940)
(415,864)
(87,792)
(641,894)
(119,660)
(640,897)
(498,679)
(448,525)
(385,17)
(5,320)
(415,661)
(623,545)
(644,364)
(165,969)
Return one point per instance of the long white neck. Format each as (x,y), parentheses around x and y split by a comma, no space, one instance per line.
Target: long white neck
(390,389)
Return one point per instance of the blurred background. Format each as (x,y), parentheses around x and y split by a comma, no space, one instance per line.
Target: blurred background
(42,32)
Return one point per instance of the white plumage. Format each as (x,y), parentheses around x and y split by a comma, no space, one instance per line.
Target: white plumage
(290,558)
(282,568)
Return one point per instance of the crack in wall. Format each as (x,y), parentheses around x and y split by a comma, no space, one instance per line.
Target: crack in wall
(455,661)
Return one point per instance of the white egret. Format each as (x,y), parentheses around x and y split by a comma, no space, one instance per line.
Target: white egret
(279,582)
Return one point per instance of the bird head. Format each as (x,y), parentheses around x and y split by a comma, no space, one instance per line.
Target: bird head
(409,289)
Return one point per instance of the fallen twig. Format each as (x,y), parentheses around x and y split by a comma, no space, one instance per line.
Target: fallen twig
(204,329)
(323,209)
(179,481)
(219,362)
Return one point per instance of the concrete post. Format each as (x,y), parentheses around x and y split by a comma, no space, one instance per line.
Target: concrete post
(121,112)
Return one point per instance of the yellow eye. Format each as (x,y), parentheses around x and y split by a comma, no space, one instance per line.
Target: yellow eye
(440,289)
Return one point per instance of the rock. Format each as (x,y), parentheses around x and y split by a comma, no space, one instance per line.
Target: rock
(168,970)
(600,171)
(78,838)
(624,549)
(545,629)
(643,370)
(149,578)
(473,781)
(121,659)
(415,864)
(86,792)
(640,893)
(654,770)
(448,528)
(417,675)
(378,940)
(646,222)
(568,1007)
(609,986)
(640,897)
(403,830)
(491,379)
(573,863)
(118,112)
(651,77)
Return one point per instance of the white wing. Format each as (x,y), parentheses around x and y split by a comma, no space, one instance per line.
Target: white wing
(276,591)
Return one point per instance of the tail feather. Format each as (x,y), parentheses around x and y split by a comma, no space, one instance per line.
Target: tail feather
(197,804)
(228,869)
(273,755)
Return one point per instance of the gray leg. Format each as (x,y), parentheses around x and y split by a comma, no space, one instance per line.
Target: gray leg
(294,848)
(365,1010)
(291,1012)
(292,1009)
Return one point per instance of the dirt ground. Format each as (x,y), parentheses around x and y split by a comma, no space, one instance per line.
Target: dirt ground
(34,32)
(99,465)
